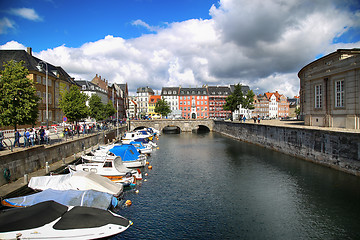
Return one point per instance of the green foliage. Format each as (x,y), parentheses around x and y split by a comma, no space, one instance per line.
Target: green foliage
(96,108)
(162,107)
(73,104)
(18,98)
(109,109)
(237,98)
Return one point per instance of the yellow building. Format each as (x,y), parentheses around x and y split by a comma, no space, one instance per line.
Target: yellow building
(151,106)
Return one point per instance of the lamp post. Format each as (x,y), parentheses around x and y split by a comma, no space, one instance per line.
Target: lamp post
(40,64)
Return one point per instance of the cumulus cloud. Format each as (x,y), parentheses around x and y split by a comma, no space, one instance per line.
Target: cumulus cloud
(12,45)
(262,44)
(27,13)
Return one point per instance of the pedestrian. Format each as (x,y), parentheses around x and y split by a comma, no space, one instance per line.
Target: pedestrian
(26,137)
(47,136)
(254,118)
(244,118)
(17,138)
(42,135)
(258,119)
(32,136)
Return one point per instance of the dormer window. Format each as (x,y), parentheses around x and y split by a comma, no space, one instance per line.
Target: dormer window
(83,87)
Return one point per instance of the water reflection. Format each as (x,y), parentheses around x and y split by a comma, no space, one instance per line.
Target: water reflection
(205,186)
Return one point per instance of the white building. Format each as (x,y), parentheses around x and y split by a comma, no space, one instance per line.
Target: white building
(142,100)
(273,107)
(171,96)
(90,89)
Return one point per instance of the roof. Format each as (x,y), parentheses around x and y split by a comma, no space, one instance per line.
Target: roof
(193,91)
(145,89)
(353,51)
(244,88)
(169,91)
(219,90)
(89,86)
(154,98)
(32,64)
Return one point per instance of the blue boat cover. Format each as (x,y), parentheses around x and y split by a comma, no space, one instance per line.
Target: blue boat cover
(127,152)
(88,198)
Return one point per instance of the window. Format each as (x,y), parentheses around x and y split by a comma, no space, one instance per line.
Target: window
(38,79)
(318,96)
(339,93)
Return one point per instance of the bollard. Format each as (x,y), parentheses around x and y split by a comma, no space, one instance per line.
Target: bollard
(26,178)
(47,168)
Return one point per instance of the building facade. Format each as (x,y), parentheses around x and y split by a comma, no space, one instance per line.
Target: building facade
(194,103)
(330,90)
(171,96)
(151,107)
(142,99)
(217,99)
(58,81)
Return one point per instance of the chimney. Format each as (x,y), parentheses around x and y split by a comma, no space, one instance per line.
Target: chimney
(96,76)
(29,50)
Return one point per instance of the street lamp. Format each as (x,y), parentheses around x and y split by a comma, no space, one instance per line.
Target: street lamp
(41,64)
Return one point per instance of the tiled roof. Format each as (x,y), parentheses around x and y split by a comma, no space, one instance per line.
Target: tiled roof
(32,64)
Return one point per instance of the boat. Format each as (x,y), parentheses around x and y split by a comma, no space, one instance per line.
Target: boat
(127,153)
(132,136)
(112,168)
(87,198)
(141,148)
(52,220)
(76,181)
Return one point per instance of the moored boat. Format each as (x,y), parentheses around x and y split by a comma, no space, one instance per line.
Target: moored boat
(87,198)
(76,181)
(52,220)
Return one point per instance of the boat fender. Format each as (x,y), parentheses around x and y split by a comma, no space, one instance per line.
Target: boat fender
(128,202)
(137,191)
(114,202)
(147,163)
(7,174)
(150,167)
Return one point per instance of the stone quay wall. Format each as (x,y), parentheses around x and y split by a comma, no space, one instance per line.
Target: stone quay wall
(338,150)
(31,159)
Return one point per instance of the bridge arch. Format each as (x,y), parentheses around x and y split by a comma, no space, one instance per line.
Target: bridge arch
(185,125)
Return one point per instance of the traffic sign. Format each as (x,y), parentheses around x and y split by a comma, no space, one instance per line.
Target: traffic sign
(65,119)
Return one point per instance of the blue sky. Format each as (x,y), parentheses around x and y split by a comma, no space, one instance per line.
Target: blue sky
(190,43)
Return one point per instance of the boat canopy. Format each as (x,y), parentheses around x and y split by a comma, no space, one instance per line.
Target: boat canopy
(78,181)
(126,152)
(88,198)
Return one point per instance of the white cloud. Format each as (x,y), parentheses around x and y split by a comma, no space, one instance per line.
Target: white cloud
(27,13)
(5,24)
(259,43)
(12,45)
(141,23)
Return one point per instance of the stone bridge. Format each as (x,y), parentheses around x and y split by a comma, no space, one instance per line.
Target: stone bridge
(185,125)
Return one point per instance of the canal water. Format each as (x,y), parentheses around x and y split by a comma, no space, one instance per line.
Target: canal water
(206,186)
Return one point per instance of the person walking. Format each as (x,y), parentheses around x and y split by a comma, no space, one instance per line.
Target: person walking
(32,137)
(258,119)
(47,136)
(42,135)
(244,118)
(26,137)
(17,138)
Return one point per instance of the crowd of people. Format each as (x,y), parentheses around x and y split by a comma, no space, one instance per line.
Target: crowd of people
(31,137)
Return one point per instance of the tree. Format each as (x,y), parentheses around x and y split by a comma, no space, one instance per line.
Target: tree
(18,98)
(73,104)
(96,108)
(109,109)
(162,107)
(237,98)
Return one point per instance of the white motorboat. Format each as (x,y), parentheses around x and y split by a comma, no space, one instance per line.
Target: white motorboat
(111,168)
(128,154)
(52,220)
(76,181)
